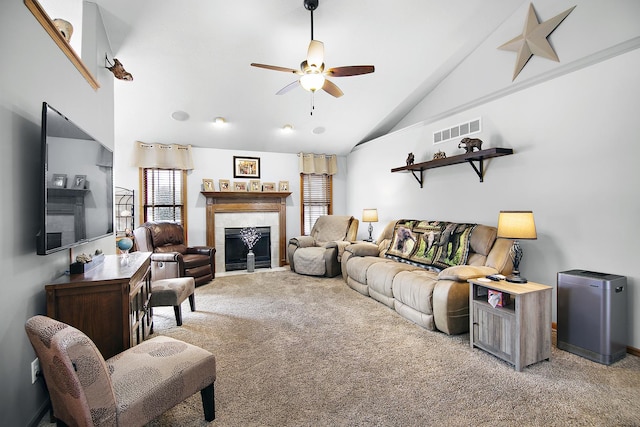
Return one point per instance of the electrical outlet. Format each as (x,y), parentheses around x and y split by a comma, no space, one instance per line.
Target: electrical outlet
(35,370)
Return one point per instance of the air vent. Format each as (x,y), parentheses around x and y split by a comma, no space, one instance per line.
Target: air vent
(457,131)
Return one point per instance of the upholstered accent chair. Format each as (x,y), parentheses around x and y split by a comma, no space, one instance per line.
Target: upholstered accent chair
(173,292)
(129,389)
(319,253)
(171,257)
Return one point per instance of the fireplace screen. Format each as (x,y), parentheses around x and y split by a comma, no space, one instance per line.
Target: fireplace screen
(235,251)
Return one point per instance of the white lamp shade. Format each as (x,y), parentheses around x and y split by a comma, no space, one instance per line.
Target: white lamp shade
(370,215)
(312,81)
(517,225)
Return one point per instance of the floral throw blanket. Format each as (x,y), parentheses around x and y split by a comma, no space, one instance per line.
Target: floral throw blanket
(430,244)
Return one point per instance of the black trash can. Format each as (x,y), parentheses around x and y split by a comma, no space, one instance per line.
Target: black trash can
(592,315)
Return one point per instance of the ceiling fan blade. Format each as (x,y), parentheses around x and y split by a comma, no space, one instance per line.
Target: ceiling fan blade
(288,87)
(332,89)
(352,70)
(315,54)
(276,68)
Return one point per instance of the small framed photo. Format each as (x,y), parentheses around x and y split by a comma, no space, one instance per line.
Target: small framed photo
(254,185)
(246,167)
(239,186)
(269,186)
(207,184)
(283,186)
(224,184)
(59,180)
(79,181)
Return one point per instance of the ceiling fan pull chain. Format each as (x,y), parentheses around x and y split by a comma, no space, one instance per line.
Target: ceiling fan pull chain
(313,107)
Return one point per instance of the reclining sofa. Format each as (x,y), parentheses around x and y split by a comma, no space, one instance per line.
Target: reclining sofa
(420,269)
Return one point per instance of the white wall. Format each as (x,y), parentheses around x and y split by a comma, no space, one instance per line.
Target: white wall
(34,70)
(574,165)
(216,164)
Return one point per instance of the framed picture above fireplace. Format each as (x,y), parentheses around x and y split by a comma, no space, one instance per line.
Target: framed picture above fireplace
(246,167)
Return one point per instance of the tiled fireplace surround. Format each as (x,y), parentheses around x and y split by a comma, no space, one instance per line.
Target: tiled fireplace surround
(251,209)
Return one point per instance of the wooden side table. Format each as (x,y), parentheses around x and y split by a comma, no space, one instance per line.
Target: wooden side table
(520,331)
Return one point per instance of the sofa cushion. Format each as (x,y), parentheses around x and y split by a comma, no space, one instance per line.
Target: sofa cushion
(415,289)
(330,227)
(380,277)
(310,261)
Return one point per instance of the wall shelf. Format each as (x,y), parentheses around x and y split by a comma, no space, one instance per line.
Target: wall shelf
(476,156)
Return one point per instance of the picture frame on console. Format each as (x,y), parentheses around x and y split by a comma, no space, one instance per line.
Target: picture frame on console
(59,180)
(269,186)
(246,167)
(207,184)
(283,186)
(239,186)
(254,185)
(79,182)
(224,185)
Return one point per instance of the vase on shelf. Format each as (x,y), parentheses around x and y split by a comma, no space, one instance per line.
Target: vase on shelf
(251,261)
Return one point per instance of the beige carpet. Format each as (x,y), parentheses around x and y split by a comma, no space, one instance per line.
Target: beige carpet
(303,351)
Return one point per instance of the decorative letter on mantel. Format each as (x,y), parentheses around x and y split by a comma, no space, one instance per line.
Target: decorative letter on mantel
(533,40)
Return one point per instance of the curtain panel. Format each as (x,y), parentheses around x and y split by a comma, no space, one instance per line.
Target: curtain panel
(162,156)
(318,164)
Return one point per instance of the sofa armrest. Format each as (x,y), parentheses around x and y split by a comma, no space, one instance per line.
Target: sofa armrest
(302,241)
(363,249)
(201,250)
(341,245)
(462,273)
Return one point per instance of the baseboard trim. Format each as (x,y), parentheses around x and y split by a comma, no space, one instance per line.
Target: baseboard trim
(554,334)
(41,413)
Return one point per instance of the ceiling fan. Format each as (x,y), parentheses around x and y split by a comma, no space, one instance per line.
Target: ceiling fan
(312,72)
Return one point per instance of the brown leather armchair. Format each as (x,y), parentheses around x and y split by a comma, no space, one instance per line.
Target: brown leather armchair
(171,257)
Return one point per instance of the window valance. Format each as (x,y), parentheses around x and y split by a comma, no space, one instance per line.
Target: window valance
(318,164)
(163,156)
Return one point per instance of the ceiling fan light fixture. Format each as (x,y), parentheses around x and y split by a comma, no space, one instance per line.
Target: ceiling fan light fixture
(312,81)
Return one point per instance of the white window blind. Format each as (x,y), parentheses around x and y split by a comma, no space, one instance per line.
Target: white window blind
(163,195)
(317,199)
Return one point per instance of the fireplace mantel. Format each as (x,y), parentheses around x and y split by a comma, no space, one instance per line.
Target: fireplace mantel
(240,201)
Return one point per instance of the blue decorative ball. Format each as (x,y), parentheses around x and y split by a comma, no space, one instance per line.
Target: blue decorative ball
(125,244)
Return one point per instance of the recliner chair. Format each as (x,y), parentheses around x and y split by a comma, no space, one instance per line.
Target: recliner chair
(319,253)
(171,257)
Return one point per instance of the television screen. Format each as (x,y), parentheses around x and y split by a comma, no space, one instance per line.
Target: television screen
(76,185)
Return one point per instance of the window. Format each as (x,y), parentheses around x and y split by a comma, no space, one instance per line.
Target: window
(164,194)
(317,199)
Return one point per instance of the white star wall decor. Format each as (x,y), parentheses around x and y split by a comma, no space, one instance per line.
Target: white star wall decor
(533,40)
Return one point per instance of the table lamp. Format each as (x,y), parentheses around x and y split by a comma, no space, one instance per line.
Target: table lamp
(370,215)
(516,225)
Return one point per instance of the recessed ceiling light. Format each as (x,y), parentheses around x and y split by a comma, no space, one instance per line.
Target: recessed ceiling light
(219,121)
(180,116)
(287,128)
(318,130)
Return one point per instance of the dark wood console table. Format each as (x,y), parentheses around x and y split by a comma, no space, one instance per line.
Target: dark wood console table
(109,303)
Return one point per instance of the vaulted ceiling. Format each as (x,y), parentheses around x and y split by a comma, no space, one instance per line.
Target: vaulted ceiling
(194,57)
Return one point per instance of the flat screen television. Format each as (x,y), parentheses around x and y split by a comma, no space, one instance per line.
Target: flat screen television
(76,185)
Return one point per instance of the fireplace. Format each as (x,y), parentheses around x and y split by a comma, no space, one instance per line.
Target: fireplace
(235,251)
(226,209)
